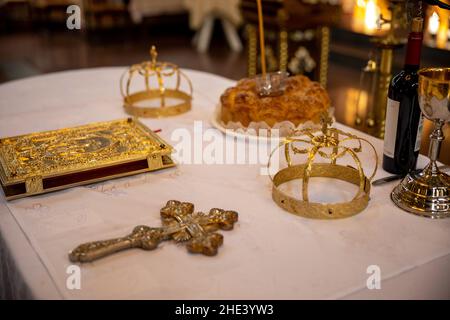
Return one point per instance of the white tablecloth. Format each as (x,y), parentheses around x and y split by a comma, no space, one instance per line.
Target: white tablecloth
(271,254)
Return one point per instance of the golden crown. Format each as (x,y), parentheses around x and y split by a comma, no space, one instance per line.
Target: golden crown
(179,102)
(312,143)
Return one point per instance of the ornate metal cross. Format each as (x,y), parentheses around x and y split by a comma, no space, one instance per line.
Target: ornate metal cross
(179,223)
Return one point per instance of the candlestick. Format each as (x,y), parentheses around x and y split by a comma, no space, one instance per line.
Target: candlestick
(261,38)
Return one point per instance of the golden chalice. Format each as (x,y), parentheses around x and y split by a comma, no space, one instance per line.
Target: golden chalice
(426,193)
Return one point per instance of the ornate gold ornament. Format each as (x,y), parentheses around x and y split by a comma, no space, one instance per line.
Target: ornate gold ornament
(312,143)
(179,223)
(52,160)
(170,101)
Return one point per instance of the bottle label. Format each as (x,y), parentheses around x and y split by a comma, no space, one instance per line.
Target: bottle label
(390,133)
(419,134)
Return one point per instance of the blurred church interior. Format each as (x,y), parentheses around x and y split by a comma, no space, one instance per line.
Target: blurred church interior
(329,40)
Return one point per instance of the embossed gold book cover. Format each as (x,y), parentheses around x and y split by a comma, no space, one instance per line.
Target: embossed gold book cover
(52,160)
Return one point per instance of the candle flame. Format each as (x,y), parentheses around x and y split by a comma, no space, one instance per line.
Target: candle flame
(433,24)
(371,15)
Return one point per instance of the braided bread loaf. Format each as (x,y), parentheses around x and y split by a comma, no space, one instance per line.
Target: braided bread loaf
(303,100)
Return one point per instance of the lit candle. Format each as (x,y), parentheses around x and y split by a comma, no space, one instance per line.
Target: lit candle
(433,24)
(261,38)
(371,16)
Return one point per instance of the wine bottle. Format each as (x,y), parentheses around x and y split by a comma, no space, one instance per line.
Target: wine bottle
(404,120)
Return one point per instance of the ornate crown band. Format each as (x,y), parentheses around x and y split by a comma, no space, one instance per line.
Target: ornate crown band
(329,138)
(162,71)
(319,210)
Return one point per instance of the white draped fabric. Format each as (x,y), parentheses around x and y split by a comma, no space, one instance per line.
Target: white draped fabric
(199,10)
(139,9)
(270,254)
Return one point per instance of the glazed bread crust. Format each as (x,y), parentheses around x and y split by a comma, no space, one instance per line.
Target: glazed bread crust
(303,100)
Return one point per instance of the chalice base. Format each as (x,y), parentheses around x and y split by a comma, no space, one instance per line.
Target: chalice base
(425,194)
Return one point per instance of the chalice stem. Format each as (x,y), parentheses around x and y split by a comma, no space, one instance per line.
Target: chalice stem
(436,138)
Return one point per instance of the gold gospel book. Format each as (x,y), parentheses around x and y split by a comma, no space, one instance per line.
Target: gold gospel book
(52,160)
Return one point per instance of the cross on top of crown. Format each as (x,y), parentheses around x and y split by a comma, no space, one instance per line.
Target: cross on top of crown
(153,54)
(326,120)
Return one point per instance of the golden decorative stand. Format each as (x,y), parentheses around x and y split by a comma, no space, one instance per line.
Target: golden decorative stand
(386,44)
(297,37)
